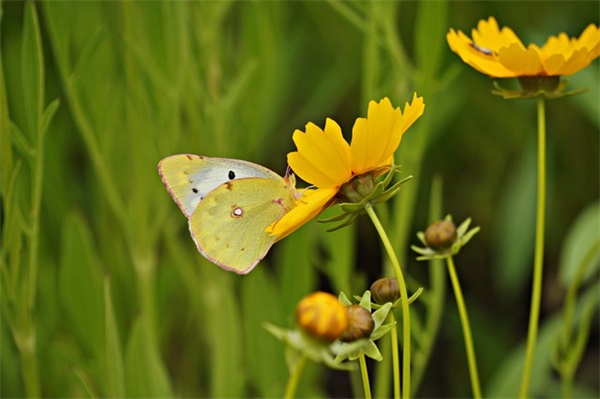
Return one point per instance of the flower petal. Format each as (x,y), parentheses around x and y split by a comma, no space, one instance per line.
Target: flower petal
(323,157)
(488,35)
(557,65)
(566,56)
(523,62)
(560,44)
(480,60)
(590,39)
(376,138)
(310,205)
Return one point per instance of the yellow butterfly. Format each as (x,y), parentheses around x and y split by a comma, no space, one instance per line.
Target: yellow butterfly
(229,203)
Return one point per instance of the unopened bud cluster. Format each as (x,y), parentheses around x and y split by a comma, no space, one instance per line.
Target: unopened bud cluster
(322,316)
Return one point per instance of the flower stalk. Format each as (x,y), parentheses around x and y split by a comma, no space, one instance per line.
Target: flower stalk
(406,353)
(395,357)
(538,265)
(365,376)
(294,378)
(464,321)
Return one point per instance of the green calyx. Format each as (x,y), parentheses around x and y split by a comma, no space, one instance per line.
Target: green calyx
(361,190)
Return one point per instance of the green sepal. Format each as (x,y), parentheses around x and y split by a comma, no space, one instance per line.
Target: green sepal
(559,92)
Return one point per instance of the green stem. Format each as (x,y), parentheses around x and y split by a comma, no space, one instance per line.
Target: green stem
(434,300)
(365,376)
(536,292)
(395,357)
(570,357)
(403,300)
(294,378)
(464,320)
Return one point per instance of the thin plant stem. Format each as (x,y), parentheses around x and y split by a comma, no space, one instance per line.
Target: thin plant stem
(395,357)
(365,376)
(536,293)
(464,321)
(403,300)
(569,352)
(294,378)
(434,300)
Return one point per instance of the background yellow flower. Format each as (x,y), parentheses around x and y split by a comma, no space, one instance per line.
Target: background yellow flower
(500,53)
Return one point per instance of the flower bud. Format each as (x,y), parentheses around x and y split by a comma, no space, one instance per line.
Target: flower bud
(360,324)
(385,290)
(322,316)
(358,188)
(440,234)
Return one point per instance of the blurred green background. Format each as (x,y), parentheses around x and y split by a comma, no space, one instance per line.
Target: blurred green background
(103,291)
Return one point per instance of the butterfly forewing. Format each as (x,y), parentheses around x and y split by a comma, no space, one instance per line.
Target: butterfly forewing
(189,178)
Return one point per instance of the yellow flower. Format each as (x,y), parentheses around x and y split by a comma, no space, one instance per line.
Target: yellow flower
(326,161)
(499,52)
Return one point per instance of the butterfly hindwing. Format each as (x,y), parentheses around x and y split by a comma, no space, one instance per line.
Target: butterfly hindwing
(229,224)
(229,203)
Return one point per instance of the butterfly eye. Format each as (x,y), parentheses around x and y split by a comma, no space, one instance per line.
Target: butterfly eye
(237,212)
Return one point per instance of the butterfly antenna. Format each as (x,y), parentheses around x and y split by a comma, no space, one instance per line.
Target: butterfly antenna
(288,171)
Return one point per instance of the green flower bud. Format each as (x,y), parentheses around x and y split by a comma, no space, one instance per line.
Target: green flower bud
(358,188)
(360,324)
(440,234)
(322,316)
(385,290)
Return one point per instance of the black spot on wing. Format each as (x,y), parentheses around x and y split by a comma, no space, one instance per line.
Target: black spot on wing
(195,190)
(231,175)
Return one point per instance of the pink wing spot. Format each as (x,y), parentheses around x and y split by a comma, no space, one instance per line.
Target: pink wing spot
(236,212)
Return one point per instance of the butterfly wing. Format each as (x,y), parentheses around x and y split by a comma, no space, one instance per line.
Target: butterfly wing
(229,224)
(189,178)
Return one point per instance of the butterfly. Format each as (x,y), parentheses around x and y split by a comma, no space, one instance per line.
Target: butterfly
(229,203)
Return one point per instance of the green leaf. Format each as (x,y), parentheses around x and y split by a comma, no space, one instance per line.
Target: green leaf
(430,31)
(581,245)
(6,152)
(32,67)
(261,302)
(515,231)
(114,373)
(48,115)
(505,383)
(21,142)
(80,284)
(223,327)
(294,262)
(144,370)
(339,264)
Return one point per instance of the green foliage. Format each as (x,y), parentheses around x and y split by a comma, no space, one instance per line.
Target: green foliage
(102,290)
